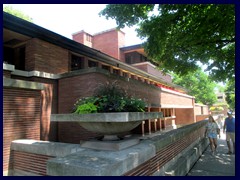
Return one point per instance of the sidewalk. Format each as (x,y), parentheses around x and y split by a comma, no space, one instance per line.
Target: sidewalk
(221,164)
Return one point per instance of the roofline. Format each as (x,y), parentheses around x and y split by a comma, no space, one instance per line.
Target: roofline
(19,25)
(128,48)
(82,31)
(108,30)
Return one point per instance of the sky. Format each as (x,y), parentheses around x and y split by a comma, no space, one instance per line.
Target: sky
(66,19)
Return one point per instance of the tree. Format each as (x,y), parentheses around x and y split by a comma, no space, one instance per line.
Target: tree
(230,94)
(220,88)
(199,86)
(15,12)
(178,36)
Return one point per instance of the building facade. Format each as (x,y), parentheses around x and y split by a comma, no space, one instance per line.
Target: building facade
(45,73)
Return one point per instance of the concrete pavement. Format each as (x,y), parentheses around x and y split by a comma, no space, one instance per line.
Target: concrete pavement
(220,164)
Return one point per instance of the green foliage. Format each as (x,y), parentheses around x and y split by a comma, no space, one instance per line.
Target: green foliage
(220,88)
(133,105)
(86,108)
(17,13)
(178,36)
(199,86)
(222,104)
(230,93)
(109,97)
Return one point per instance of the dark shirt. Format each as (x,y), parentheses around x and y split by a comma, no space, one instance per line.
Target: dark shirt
(230,124)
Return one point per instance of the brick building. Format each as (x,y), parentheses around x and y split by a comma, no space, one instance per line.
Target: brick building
(45,73)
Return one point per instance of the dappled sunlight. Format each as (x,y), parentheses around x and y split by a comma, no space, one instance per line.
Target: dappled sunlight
(217,164)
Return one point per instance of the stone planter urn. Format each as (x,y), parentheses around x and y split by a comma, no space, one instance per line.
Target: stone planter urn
(107,124)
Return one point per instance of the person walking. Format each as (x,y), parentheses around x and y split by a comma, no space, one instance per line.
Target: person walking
(229,129)
(212,130)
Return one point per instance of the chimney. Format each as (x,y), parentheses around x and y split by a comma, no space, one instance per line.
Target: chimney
(83,38)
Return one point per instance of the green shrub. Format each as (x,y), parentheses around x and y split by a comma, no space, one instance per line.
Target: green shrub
(109,97)
(86,108)
(134,105)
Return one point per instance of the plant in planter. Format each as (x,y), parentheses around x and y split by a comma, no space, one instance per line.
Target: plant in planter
(109,97)
(215,110)
(110,112)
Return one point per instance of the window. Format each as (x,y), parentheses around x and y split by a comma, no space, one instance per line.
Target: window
(92,64)
(220,97)
(125,74)
(128,59)
(77,63)
(106,67)
(15,56)
(143,58)
(116,71)
(89,37)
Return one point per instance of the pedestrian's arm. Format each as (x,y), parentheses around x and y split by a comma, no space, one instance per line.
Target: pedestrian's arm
(205,133)
(224,126)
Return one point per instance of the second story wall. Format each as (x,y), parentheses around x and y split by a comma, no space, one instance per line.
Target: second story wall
(46,57)
(151,69)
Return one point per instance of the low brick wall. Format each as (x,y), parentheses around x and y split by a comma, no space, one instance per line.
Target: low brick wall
(170,146)
(29,157)
(153,156)
(21,113)
(201,117)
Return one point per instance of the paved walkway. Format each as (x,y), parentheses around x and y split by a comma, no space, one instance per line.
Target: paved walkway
(221,164)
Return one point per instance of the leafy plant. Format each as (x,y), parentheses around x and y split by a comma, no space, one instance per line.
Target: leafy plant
(86,108)
(134,105)
(109,97)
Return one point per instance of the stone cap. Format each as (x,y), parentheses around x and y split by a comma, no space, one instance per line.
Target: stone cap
(48,148)
(106,117)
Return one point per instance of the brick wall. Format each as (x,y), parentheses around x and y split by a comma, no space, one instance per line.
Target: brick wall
(172,147)
(169,148)
(28,164)
(46,57)
(198,110)
(201,117)
(81,37)
(184,115)
(73,88)
(49,106)
(151,70)
(201,109)
(174,99)
(109,42)
(49,98)
(21,118)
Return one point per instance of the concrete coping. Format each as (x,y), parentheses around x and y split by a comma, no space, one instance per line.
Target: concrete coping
(48,148)
(36,74)
(8,67)
(83,71)
(71,160)
(7,82)
(76,73)
(106,117)
(57,76)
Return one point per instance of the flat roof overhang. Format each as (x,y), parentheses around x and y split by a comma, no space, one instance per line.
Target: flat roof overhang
(134,48)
